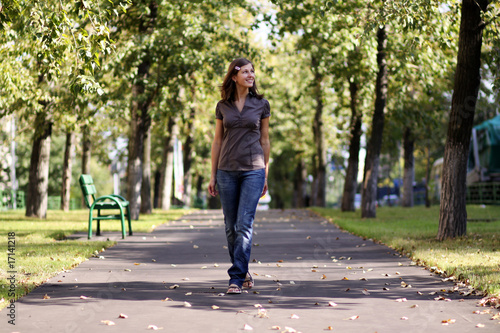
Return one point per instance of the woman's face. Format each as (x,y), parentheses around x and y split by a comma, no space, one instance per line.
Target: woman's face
(245,76)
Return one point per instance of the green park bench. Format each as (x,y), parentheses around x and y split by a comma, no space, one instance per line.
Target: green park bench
(106,202)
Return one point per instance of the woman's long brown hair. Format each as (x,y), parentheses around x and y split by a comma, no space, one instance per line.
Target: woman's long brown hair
(228,87)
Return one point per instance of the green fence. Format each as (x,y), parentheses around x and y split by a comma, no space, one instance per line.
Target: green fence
(54,203)
(484,193)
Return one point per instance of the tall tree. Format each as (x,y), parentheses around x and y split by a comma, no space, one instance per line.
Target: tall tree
(370,179)
(453,213)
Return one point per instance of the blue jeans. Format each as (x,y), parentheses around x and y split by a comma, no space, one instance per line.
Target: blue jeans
(239,194)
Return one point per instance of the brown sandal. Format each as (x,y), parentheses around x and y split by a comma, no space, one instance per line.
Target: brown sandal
(249,282)
(233,289)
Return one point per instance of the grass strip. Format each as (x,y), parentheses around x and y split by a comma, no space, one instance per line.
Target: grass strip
(474,258)
(41,249)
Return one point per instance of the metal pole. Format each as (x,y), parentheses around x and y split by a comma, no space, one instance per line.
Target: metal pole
(13,163)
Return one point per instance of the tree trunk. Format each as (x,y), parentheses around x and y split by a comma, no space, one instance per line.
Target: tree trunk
(369,191)
(146,207)
(453,213)
(427,176)
(319,195)
(167,167)
(188,158)
(140,120)
(299,185)
(409,168)
(86,150)
(37,196)
(351,177)
(67,168)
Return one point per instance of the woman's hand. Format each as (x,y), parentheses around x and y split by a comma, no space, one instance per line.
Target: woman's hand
(264,191)
(212,189)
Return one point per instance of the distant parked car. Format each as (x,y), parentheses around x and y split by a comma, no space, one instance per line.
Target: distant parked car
(357,201)
(389,200)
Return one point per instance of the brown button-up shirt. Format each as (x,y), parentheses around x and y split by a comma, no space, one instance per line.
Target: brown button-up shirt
(241,149)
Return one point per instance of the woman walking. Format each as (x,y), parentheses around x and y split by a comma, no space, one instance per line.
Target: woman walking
(240,163)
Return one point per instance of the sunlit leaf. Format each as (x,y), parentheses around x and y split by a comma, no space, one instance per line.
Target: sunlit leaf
(108,322)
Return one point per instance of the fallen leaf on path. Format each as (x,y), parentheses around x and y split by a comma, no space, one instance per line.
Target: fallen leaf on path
(173,265)
(108,322)
(215,307)
(257,305)
(323,277)
(480,325)
(385,288)
(495,317)
(329,328)
(313,270)
(348,267)
(289,330)
(153,260)
(46,296)
(216,265)
(187,304)
(294,316)
(400,264)
(280,260)
(195,246)
(404,318)
(363,279)
(154,327)
(308,237)
(136,263)
(414,306)
(448,321)
(247,328)
(127,270)
(353,318)
(262,313)
(344,278)
(123,316)
(333,304)
(276,328)
(185,279)
(292,282)
(166,299)
(189,294)
(173,286)
(401,300)
(84,297)
(299,258)
(366,292)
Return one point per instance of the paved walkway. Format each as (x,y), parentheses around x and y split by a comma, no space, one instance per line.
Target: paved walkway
(310,277)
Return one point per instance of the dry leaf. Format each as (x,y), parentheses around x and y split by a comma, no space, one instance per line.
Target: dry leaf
(480,325)
(247,328)
(257,305)
(289,330)
(185,279)
(404,318)
(127,270)
(294,316)
(108,322)
(189,294)
(122,315)
(495,317)
(203,267)
(154,327)
(365,292)
(166,299)
(195,246)
(323,277)
(401,300)
(280,260)
(215,307)
(262,313)
(344,278)
(329,328)
(216,265)
(448,321)
(187,304)
(414,306)
(174,286)
(84,297)
(308,237)
(276,328)
(46,296)
(353,318)
(333,304)
(136,263)
(400,264)
(363,279)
